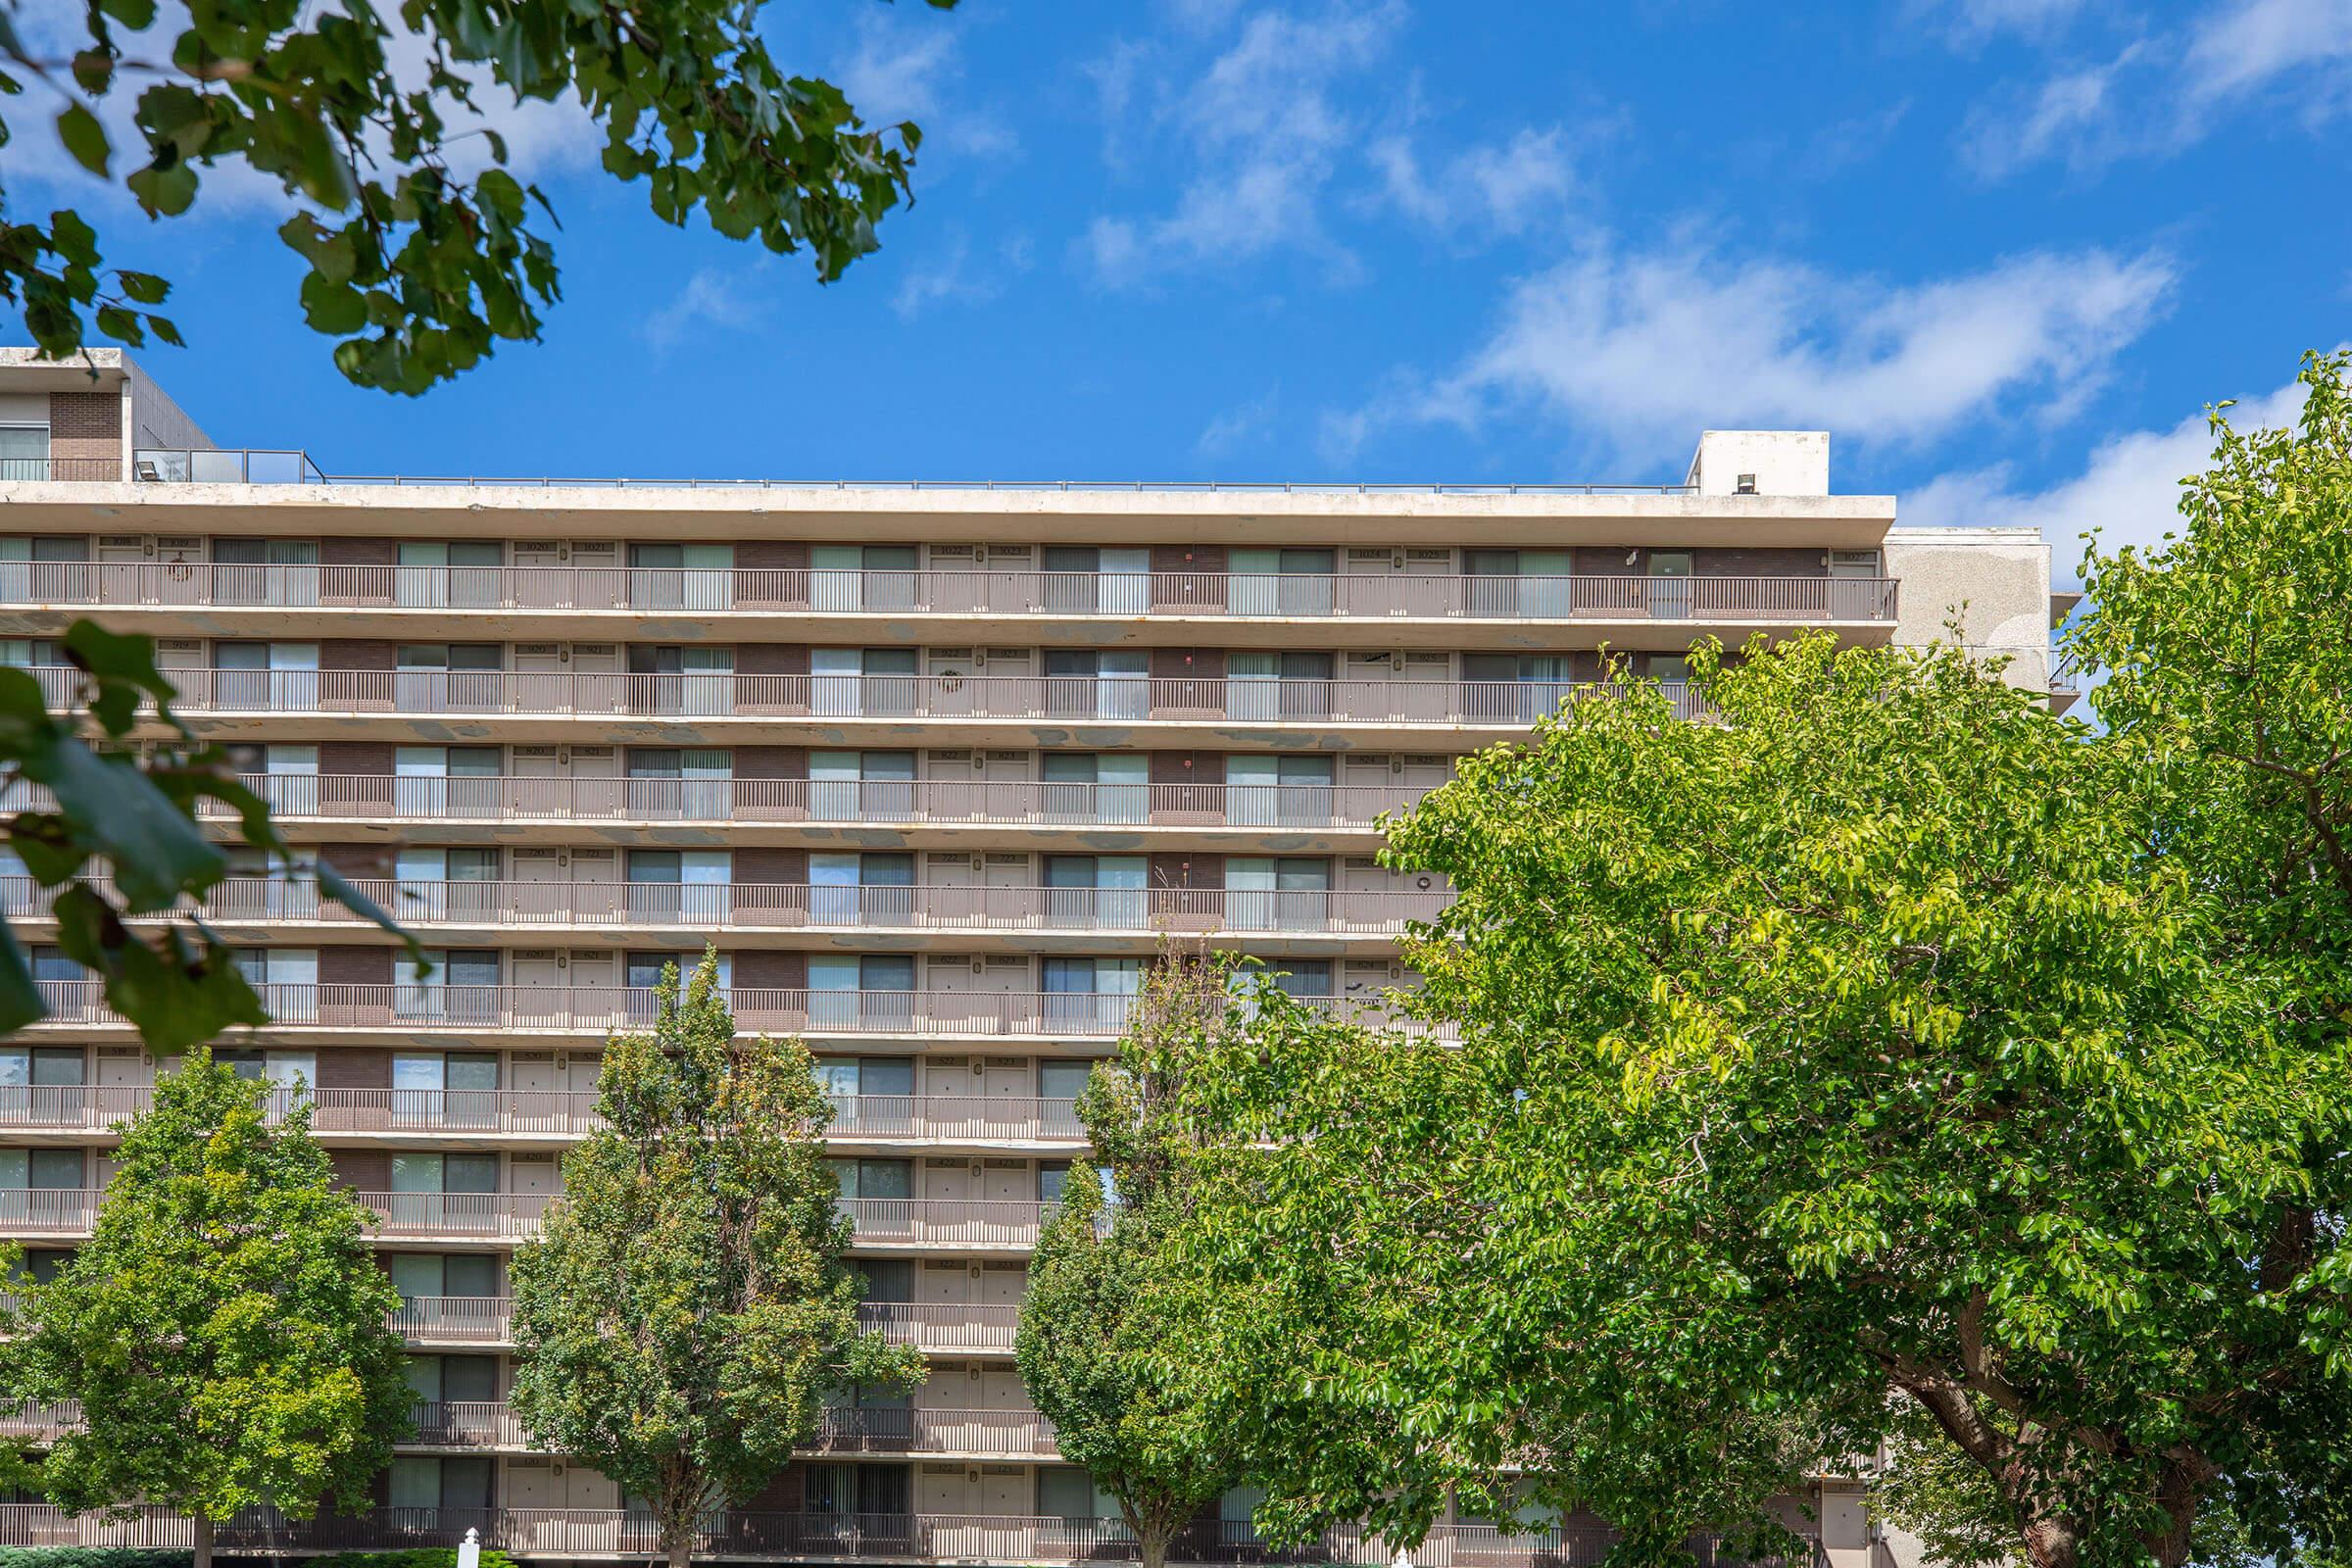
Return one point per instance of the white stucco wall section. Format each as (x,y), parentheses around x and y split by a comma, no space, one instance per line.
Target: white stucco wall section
(1994,582)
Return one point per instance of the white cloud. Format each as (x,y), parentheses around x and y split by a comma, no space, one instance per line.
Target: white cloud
(2172,89)
(1495,188)
(2128,489)
(713,297)
(1243,425)
(1265,134)
(907,64)
(953,279)
(1971,19)
(1638,351)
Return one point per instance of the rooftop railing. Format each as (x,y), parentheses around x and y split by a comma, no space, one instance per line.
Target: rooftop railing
(802,907)
(282,466)
(721,697)
(597,1009)
(1046,595)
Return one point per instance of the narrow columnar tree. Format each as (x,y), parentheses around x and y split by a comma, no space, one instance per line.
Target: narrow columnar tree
(1103,1289)
(687,1312)
(226,1330)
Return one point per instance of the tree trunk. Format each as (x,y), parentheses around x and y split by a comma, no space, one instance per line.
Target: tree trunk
(1152,1545)
(678,1543)
(203,1540)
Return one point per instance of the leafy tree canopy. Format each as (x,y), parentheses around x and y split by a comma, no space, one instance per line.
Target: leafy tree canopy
(686,1314)
(422,249)
(1864,1042)
(226,1330)
(119,839)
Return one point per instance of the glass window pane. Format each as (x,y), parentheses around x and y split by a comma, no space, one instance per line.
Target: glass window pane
(470,1173)
(464,1483)
(886,1075)
(469,1379)
(885,1178)
(415,1482)
(56,1168)
(55,1064)
(1062,1080)
(415,1274)
(472,1070)
(15,1167)
(469,1274)
(414,1172)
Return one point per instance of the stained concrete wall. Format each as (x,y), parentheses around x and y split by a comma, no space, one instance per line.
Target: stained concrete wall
(1994,583)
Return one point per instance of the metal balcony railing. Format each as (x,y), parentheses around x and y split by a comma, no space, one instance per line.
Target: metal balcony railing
(993,1434)
(455,1319)
(786,907)
(407,693)
(599,1010)
(466,1424)
(925,1538)
(561,1112)
(943,1328)
(456,1217)
(1048,595)
(845,802)
(985,1222)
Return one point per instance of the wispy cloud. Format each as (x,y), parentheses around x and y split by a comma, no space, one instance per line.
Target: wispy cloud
(2128,490)
(1264,131)
(1244,425)
(953,277)
(1634,352)
(1494,188)
(908,63)
(728,298)
(2171,88)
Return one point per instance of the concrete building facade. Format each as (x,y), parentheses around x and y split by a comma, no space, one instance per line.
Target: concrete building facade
(936,768)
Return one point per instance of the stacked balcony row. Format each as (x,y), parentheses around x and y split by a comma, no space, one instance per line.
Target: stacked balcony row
(1605,584)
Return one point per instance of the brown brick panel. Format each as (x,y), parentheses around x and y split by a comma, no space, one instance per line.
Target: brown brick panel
(771,659)
(355,966)
(770,761)
(366,1171)
(768,866)
(772,554)
(1177,786)
(86,427)
(762,970)
(357,553)
(357,652)
(1172,590)
(1759,561)
(355,1068)
(782,1494)
(337,759)
(358,859)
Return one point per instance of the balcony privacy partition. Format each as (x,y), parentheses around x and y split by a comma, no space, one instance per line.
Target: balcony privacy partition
(1045,595)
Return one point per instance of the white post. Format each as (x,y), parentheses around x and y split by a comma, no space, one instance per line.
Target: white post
(469,1550)
(1405,1559)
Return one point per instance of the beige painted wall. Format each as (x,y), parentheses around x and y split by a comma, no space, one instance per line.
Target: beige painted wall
(1995,582)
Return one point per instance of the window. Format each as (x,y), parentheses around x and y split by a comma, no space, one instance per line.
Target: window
(41,1265)
(1092,994)
(462,985)
(454,1378)
(428,1481)
(678,576)
(645,969)
(418,1171)
(680,884)
(41,1169)
(1052,1177)
(672,781)
(873,1178)
(887,1279)
(845,989)
(1265,892)
(445,1089)
(1081,683)
(845,577)
(858,1490)
(434,1275)
(1068,1493)
(1279,583)
(40,1066)
(1062,1080)
(1095,890)
(860,889)
(861,680)
(860,786)
(24,452)
(283,1070)
(1098,787)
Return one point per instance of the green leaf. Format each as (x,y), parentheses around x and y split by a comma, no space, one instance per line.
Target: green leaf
(21,1001)
(84,138)
(333,883)
(157,852)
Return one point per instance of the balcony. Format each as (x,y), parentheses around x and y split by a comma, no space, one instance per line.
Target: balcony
(456,1217)
(749,906)
(943,1539)
(406,1010)
(829,805)
(466,1424)
(944,1328)
(475,1113)
(719,701)
(455,1319)
(959,1223)
(807,596)
(985,1433)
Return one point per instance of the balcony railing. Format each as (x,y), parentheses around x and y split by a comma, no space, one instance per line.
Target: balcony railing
(943,1539)
(1046,595)
(990,1222)
(456,1217)
(784,907)
(562,1112)
(828,803)
(995,1434)
(597,1009)
(943,1328)
(455,1319)
(1070,698)
(466,1424)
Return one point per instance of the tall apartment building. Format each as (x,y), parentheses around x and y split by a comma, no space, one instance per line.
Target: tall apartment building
(935,768)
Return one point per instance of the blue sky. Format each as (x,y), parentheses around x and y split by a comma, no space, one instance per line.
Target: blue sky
(2003,250)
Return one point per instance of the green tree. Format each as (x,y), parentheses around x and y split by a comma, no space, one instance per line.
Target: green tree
(226,1330)
(371,117)
(1861,1043)
(121,838)
(1103,1291)
(687,1312)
